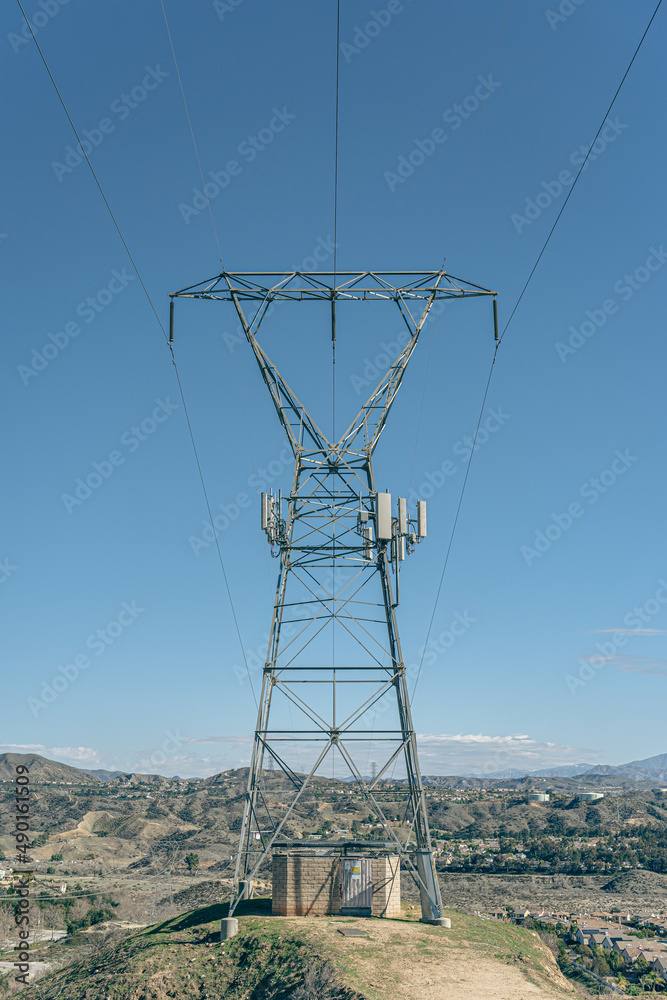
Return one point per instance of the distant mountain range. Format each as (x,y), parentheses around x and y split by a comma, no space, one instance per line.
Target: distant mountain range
(650,769)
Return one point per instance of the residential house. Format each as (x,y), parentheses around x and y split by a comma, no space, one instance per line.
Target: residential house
(584,931)
(617,942)
(659,965)
(650,956)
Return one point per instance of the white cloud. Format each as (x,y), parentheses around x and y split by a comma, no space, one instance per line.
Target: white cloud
(22,748)
(478,753)
(74,755)
(81,756)
(653,665)
(632,631)
(233,740)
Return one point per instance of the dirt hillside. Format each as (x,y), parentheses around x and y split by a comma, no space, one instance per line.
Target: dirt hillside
(272,956)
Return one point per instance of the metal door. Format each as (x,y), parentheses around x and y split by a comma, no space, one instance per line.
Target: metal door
(357,891)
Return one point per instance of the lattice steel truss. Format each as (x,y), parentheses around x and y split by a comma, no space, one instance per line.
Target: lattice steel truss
(334,683)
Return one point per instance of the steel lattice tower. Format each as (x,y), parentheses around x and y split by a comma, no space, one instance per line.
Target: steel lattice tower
(334,683)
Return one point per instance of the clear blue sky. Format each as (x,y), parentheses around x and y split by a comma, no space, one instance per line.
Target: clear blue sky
(517,689)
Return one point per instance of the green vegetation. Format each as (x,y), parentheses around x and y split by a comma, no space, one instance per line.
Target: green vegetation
(282,959)
(570,852)
(182,958)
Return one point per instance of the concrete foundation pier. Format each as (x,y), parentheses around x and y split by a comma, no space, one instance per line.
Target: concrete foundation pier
(229,928)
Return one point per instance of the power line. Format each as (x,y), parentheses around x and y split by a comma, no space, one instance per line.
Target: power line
(335,233)
(215,534)
(456,518)
(569,193)
(333,366)
(449,240)
(495,353)
(247,430)
(479,120)
(164,334)
(215,231)
(421,405)
(90,167)
(210,212)
(194,142)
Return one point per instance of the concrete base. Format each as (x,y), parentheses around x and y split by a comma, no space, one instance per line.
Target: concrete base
(246,890)
(437,922)
(229,928)
(355,911)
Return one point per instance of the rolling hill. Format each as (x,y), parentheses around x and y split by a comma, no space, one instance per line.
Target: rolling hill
(277,958)
(43,770)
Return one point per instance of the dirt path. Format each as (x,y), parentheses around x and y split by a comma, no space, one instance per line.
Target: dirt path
(476,960)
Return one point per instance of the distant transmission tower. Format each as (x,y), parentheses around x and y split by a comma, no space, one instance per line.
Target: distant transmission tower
(334,683)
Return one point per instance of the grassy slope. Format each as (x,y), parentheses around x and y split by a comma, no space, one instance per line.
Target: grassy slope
(182,958)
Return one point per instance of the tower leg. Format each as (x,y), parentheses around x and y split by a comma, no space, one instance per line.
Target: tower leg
(429,888)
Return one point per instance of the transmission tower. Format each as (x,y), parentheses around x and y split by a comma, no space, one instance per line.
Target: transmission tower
(334,683)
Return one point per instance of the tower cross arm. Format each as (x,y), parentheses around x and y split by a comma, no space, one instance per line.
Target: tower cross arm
(313,286)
